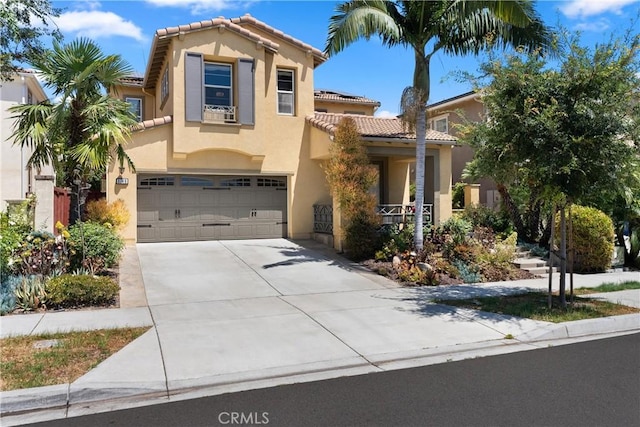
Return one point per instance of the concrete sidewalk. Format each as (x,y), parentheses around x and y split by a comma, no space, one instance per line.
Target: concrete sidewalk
(276,312)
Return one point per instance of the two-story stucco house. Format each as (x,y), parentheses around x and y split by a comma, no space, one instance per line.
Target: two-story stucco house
(443,117)
(17,180)
(233,136)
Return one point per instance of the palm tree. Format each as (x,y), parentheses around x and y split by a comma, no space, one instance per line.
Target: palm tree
(85,129)
(457,27)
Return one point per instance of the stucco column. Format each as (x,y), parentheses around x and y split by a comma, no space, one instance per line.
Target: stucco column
(337,225)
(444,208)
(398,181)
(471,194)
(43,215)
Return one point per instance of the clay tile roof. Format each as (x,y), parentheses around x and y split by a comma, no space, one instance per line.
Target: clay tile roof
(132,81)
(162,36)
(319,56)
(341,97)
(148,124)
(375,127)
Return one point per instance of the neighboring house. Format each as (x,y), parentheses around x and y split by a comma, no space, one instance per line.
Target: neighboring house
(229,146)
(329,101)
(443,117)
(17,180)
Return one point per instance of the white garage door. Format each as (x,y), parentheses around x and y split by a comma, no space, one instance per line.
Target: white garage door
(186,207)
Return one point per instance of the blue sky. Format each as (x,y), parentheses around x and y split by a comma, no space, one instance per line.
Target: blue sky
(364,68)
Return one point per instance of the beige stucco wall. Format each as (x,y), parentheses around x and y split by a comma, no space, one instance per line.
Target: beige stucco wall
(472,110)
(343,107)
(148,106)
(275,145)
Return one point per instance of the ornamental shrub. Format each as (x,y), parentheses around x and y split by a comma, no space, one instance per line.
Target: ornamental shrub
(115,213)
(30,293)
(40,253)
(81,290)
(482,216)
(10,237)
(95,247)
(8,285)
(361,236)
(592,238)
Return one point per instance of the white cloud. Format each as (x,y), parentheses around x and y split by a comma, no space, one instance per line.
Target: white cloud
(384,114)
(584,8)
(201,6)
(600,25)
(96,24)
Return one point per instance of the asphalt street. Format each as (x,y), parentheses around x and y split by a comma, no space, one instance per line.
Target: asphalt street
(594,383)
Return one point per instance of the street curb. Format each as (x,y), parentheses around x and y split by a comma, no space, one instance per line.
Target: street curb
(15,403)
(581,328)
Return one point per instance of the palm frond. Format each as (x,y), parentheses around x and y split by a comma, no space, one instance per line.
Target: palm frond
(362,19)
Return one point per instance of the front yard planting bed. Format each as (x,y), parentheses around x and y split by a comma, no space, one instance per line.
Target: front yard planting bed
(50,359)
(534,305)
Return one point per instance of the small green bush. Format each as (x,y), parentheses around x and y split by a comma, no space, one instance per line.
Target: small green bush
(96,247)
(10,237)
(482,216)
(73,291)
(592,238)
(457,195)
(457,228)
(395,239)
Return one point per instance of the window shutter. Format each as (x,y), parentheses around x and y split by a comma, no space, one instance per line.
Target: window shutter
(246,91)
(193,87)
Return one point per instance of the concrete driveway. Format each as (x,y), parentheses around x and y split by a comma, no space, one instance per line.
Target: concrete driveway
(238,315)
(233,311)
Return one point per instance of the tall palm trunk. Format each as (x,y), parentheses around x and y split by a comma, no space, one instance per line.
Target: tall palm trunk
(421,149)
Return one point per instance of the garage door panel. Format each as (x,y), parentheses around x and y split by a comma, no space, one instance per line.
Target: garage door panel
(166,214)
(207,198)
(146,234)
(246,198)
(188,198)
(167,198)
(183,213)
(147,216)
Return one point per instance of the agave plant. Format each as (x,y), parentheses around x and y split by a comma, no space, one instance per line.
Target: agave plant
(30,293)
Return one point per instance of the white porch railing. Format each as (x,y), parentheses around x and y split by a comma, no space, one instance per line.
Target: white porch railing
(218,114)
(398,213)
(391,214)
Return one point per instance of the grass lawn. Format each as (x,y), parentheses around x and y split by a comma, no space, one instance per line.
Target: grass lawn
(534,305)
(32,361)
(608,287)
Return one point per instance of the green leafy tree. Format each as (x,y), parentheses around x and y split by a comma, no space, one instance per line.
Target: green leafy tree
(86,128)
(350,176)
(23,24)
(455,27)
(563,134)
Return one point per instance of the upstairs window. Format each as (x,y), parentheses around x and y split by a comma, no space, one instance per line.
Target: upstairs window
(440,124)
(164,87)
(218,90)
(285,92)
(135,106)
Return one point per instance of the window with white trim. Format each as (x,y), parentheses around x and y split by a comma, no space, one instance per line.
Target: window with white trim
(135,106)
(218,89)
(440,124)
(286,92)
